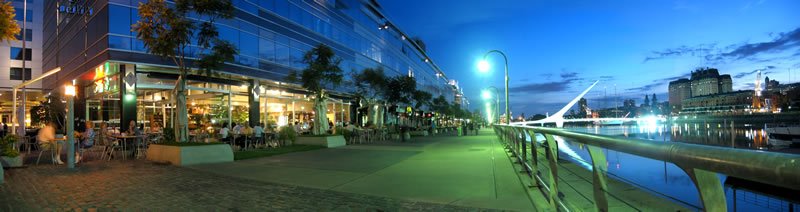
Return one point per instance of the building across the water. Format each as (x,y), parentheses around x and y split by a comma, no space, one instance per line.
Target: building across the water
(724,102)
(119,81)
(703,82)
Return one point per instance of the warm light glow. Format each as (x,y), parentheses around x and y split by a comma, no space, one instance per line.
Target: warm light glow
(69,90)
(484,66)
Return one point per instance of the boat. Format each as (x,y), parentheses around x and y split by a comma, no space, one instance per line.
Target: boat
(783,134)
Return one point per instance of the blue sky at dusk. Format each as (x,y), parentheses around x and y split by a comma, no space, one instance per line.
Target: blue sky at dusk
(558,48)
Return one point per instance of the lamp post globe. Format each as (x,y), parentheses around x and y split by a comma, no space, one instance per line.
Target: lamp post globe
(484,66)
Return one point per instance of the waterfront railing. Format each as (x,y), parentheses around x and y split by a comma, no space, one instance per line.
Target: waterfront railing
(701,163)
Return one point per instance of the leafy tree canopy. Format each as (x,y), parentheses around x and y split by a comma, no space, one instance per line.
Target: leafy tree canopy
(400,89)
(8,25)
(370,83)
(167,31)
(323,70)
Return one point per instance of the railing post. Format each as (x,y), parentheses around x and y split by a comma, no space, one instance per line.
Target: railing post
(524,151)
(552,160)
(599,170)
(534,159)
(710,188)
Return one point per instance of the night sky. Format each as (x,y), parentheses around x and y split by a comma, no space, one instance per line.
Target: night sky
(558,48)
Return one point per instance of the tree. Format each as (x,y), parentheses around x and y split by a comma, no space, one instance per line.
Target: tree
(371,86)
(400,89)
(168,32)
(322,73)
(8,25)
(421,98)
(52,109)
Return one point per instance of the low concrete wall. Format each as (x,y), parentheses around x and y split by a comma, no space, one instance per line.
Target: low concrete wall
(326,141)
(190,155)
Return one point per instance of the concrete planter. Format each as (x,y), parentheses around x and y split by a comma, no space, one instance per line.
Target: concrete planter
(10,162)
(190,155)
(419,133)
(326,141)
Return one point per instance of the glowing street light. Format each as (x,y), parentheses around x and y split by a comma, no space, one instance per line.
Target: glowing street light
(487,95)
(69,91)
(484,67)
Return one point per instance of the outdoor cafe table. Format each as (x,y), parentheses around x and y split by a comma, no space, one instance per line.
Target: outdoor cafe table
(125,139)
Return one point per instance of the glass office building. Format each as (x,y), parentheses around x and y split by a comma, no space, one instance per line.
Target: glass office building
(119,81)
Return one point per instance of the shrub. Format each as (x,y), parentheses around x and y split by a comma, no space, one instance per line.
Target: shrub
(7,146)
(168,135)
(287,133)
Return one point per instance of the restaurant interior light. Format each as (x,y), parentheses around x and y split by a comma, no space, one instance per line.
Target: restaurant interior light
(69,90)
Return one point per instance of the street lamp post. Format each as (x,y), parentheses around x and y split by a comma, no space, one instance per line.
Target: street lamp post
(496,101)
(69,91)
(484,66)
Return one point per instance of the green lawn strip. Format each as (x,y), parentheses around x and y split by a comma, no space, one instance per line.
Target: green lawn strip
(270,152)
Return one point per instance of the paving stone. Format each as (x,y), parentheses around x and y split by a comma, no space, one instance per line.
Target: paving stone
(136,185)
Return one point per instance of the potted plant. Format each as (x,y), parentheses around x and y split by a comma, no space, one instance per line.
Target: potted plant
(10,156)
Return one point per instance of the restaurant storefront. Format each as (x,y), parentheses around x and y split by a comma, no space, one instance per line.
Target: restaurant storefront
(116,93)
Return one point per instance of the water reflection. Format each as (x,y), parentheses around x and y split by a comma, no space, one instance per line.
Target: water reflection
(666,179)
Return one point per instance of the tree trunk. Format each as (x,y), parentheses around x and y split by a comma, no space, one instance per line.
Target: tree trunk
(375,113)
(321,110)
(182,123)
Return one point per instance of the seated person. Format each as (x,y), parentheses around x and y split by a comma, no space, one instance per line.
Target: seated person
(86,140)
(47,140)
(223,133)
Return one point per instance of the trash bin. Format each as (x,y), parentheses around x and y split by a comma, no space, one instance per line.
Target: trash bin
(460,131)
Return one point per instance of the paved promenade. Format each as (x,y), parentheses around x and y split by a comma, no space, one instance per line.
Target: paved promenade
(469,171)
(444,173)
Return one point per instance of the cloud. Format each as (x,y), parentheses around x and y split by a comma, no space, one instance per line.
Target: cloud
(548,87)
(658,82)
(748,73)
(710,52)
(568,75)
(699,50)
(784,41)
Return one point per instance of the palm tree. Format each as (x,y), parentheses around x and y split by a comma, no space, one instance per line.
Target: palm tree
(168,32)
(8,25)
(371,86)
(322,73)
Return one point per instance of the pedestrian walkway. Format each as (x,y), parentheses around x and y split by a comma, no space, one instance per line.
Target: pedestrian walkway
(137,185)
(469,171)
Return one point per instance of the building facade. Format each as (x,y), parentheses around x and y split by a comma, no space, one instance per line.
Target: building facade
(678,91)
(21,60)
(703,82)
(726,102)
(119,81)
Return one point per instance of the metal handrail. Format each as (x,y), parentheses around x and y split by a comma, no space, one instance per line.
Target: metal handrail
(700,162)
